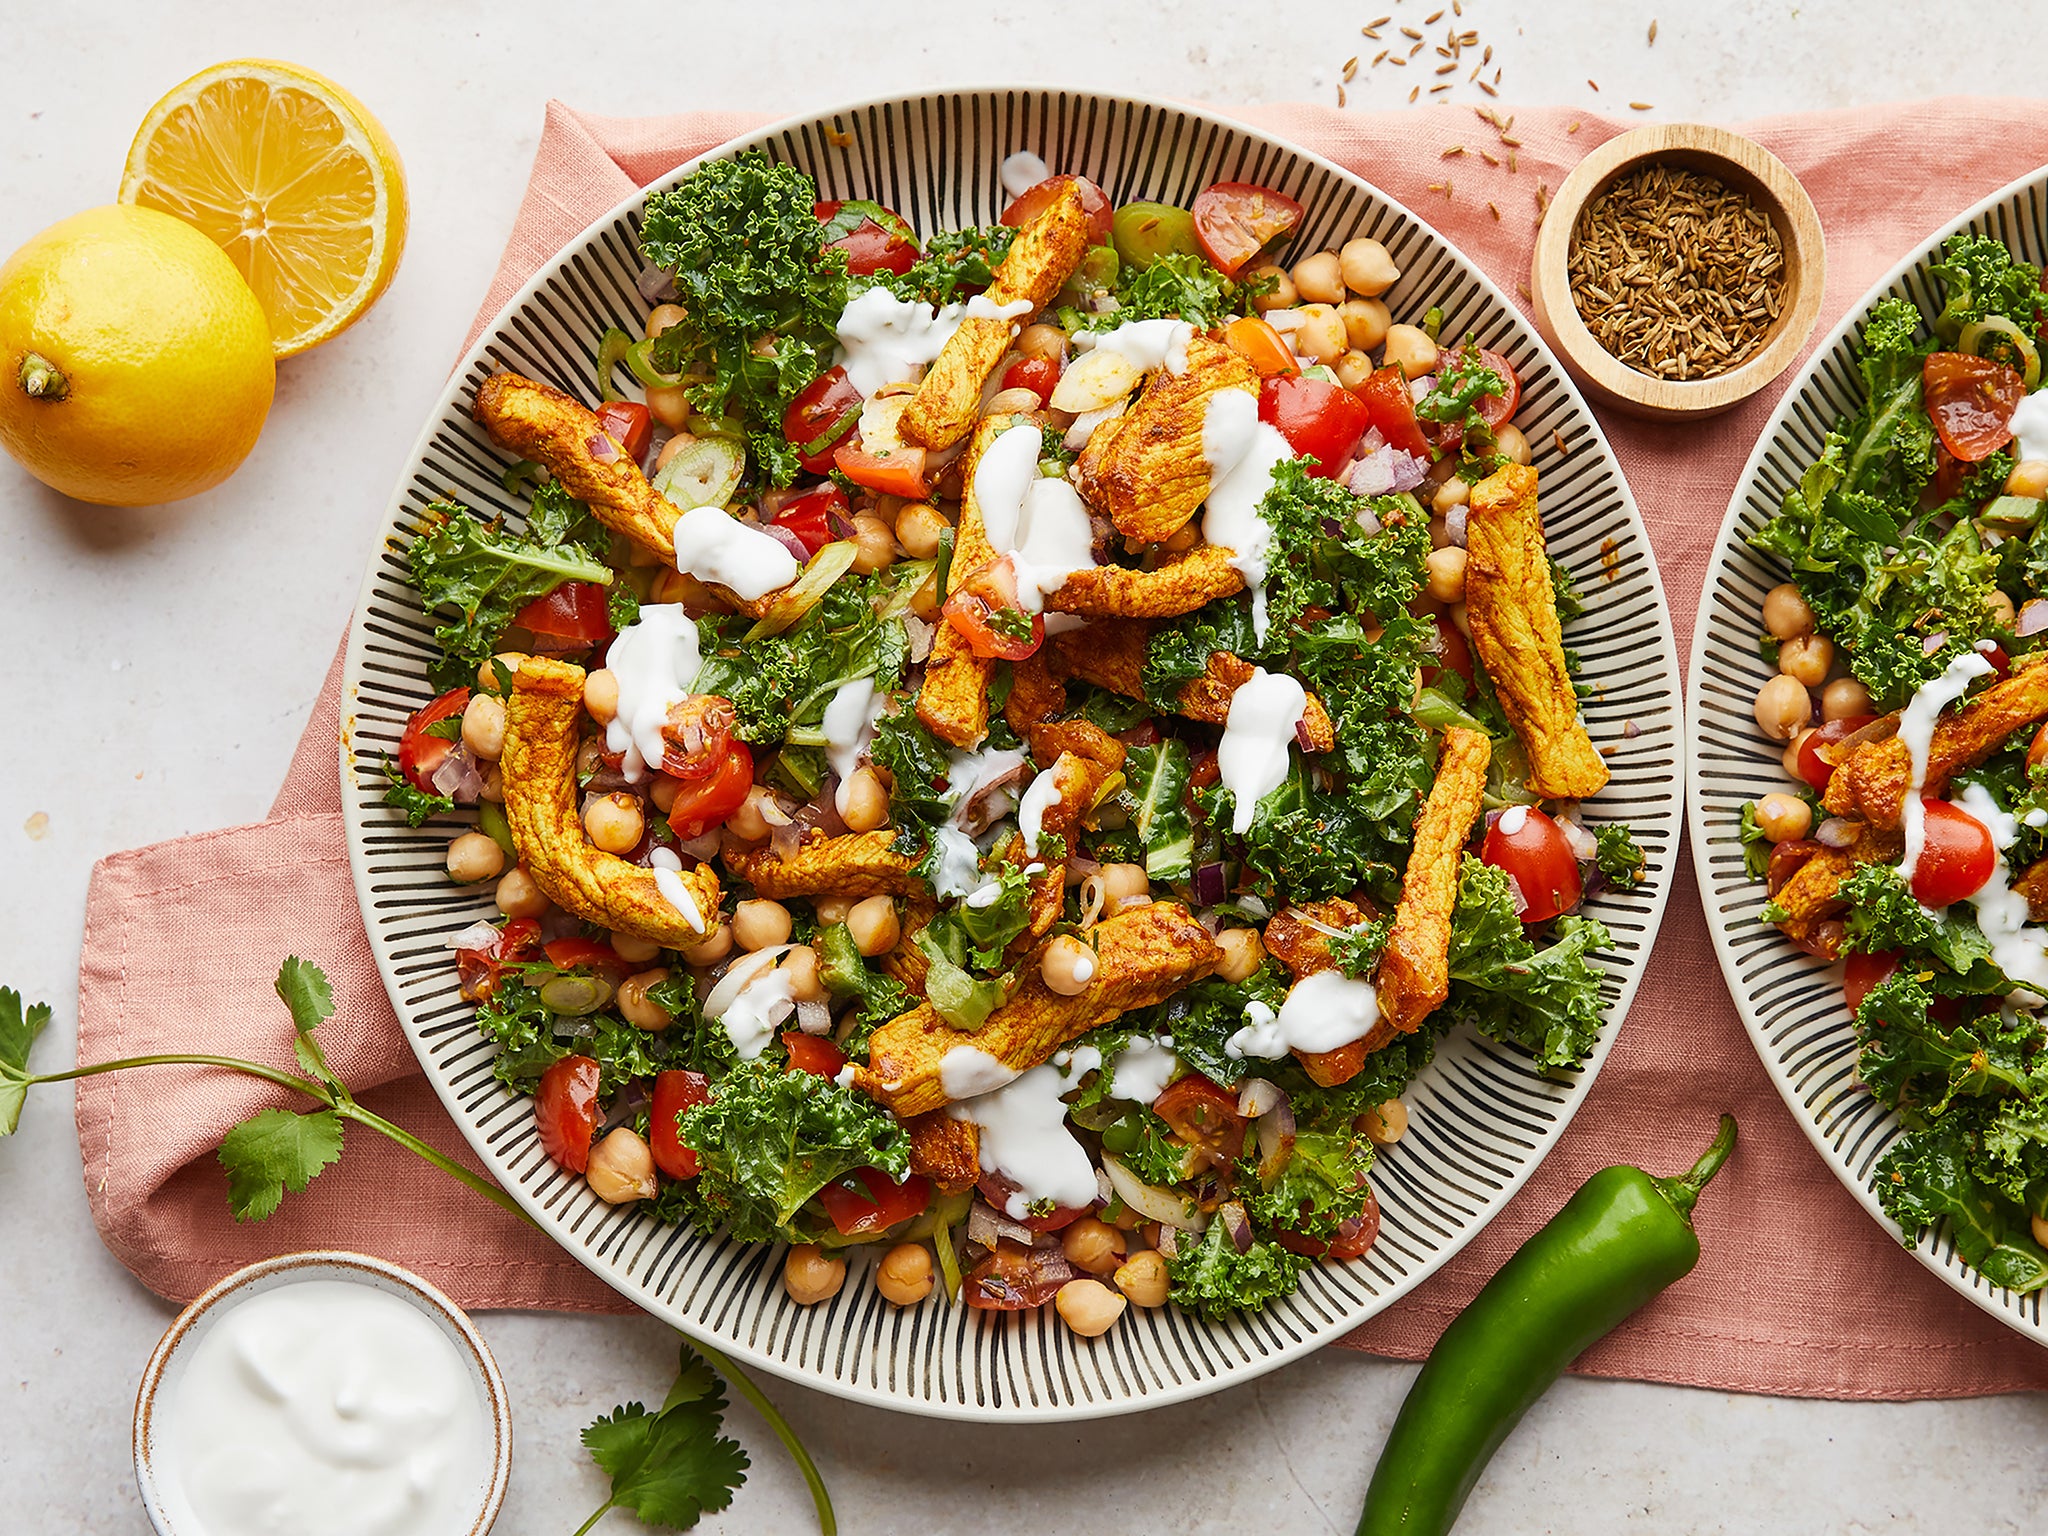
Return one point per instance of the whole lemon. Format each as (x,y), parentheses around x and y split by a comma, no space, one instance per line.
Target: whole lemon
(135,362)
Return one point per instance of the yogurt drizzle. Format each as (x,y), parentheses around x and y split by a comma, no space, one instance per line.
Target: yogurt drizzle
(1325,1011)
(656,661)
(1916,730)
(2002,912)
(1252,758)
(1242,453)
(1039,522)
(713,545)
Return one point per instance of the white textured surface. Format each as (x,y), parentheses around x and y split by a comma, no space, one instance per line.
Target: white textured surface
(103,612)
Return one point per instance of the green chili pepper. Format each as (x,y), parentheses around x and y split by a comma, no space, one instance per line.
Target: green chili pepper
(1620,1240)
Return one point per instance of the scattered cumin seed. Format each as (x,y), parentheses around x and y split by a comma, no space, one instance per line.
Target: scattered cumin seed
(1495,211)
(1444,87)
(1473,76)
(1487,57)
(1571,127)
(1592,82)
(1417,91)
(1445,69)
(1350,69)
(1417,49)
(1640,106)
(1377,57)
(1455,149)
(1411,32)
(1523,290)
(1488,158)
(1340,95)
(1511,161)
(1564,449)
(1432,18)
(1398,62)
(1511,143)
(1653,34)
(1496,77)
(1368,32)
(1381,21)
(1488,89)
(1457,7)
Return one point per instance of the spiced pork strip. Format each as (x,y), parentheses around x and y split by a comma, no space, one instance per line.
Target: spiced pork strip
(1145,470)
(853,865)
(1296,939)
(1414,974)
(1871,783)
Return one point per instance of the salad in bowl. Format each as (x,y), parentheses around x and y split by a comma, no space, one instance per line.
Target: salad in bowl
(1003,751)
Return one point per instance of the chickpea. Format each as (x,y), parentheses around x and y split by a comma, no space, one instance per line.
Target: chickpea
(1385,1124)
(1068,965)
(759,923)
(669,404)
(2003,614)
(2029,477)
(1320,334)
(1094,1245)
(1782,707)
(633,948)
(1353,368)
(1783,818)
(1790,756)
(1183,538)
(710,949)
(2040,1227)
(1366,322)
(615,821)
(671,448)
(518,896)
(1319,278)
(919,527)
(831,909)
(1410,350)
(483,727)
(924,602)
(1508,440)
(905,1274)
(475,856)
(800,965)
(1243,953)
(1124,882)
(640,1010)
(663,316)
(1806,658)
(1367,267)
(1282,295)
(600,695)
(1454,492)
(1786,613)
(810,1277)
(495,675)
(1043,341)
(621,1168)
(1461,621)
(1089,1307)
(1142,1277)
(1844,697)
(874,926)
(1012,402)
(663,791)
(1446,569)
(874,544)
(749,822)
(865,803)
(493,786)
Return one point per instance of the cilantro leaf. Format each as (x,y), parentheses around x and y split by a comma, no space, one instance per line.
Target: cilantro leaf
(275,1150)
(18,1030)
(671,1467)
(1619,857)
(304,989)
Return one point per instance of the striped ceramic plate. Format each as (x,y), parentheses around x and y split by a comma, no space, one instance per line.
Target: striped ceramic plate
(1481,1117)
(1791,1002)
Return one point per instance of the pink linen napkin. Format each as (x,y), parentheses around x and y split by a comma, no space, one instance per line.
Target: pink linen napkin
(1799,1292)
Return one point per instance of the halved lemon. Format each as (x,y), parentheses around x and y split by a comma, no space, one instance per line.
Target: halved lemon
(292,177)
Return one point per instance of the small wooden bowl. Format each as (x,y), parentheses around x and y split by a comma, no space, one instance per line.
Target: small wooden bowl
(1741,163)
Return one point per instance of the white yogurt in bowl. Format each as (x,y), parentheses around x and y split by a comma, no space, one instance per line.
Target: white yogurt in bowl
(324,1394)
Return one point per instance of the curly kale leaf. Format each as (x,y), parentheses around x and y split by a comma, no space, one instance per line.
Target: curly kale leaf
(524,1029)
(1145,1144)
(762,292)
(1178,284)
(420,806)
(1321,1186)
(956,263)
(1912,1059)
(1884,915)
(1983,280)
(781,686)
(769,1139)
(1619,857)
(1926,1178)
(484,576)
(1545,1000)
(1211,1277)
(1321,557)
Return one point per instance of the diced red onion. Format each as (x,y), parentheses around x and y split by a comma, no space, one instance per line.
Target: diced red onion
(1367,520)
(1275,1132)
(986,1224)
(1169,1243)
(787,838)
(921,636)
(1210,885)
(703,848)
(602,448)
(1515,891)
(1492,817)
(626,1105)
(787,540)
(1417,388)
(1630,730)
(1256,1096)
(1254,906)
(1373,475)
(1409,471)
(1934,642)
(980,810)
(1454,523)
(814,1016)
(1237,1225)
(1585,847)
(2033,617)
(1835,832)
(460,775)
(478,935)
(558,923)
(654,285)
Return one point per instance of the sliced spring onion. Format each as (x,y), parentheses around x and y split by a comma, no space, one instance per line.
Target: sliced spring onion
(945,565)
(490,820)
(1998,339)
(807,591)
(640,363)
(611,352)
(706,473)
(575,995)
(1149,1200)
(517,477)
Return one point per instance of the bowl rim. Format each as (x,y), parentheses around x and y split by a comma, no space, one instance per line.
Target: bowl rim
(1773,182)
(1628,978)
(348,1267)
(1703,820)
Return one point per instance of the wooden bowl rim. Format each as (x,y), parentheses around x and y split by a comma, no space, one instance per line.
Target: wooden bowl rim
(1740,160)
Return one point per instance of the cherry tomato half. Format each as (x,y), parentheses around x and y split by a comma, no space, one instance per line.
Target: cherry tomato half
(878,1204)
(1037,374)
(1014,1278)
(578,954)
(1260,345)
(1235,220)
(1204,1115)
(875,239)
(702,804)
(1035,200)
(1957,857)
(1453,650)
(820,416)
(810,517)
(1532,848)
(479,969)
(1495,410)
(565,1111)
(985,610)
(578,611)
(1863,974)
(629,424)
(1814,768)
(696,736)
(1392,408)
(1971,400)
(1354,1236)
(420,754)
(997,1188)
(813,1053)
(894,472)
(674,1093)
(1320,420)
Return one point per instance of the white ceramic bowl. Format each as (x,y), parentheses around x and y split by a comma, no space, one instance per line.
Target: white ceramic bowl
(1791,1002)
(165,1372)
(1481,1117)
